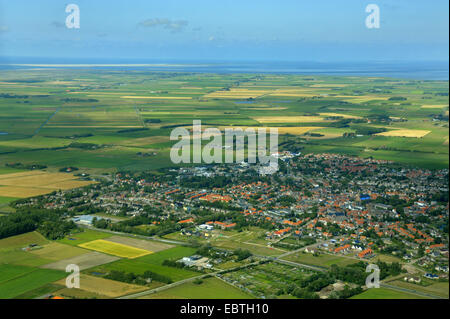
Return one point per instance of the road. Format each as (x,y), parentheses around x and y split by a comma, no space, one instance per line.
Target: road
(275,259)
(155,290)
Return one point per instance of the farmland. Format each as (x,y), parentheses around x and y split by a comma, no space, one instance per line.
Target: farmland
(97,142)
(35,183)
(384,293)
(104,121)
(20,280)
(115,249)
(210,288)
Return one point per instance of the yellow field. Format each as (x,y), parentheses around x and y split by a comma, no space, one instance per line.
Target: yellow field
(115,249)
(264,108)
(405,133)
(237,94)
(22,192)
(105,287)
(362,99)
(346,116)
(64,185)
(297,130)
(435,106)
(288,119)
(36,183)
(158,97)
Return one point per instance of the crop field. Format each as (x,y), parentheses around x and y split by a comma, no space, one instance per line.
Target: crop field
(23,240)
(289,119)
(100,121)
(84,261)
(56,251)
(384,293)
(83,236)
(104,287)
(436,288)
(35,183)
(152,262)
(323,260)
(16,280)
(263,281)
(152,246)
(116,249)
(405,133)
(210,288)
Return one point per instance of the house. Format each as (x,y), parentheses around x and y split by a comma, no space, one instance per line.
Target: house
(311,250)
(206,227)
(431,276)
(413,279)
(85,219)
(365,253)
(342,249)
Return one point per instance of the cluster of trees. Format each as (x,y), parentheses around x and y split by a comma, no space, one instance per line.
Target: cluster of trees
(397,98)
(56,229)
(74,99)
(172,263)
(26,166)
(206,182)
(131,130)
(298,292)
(242,254)
(346,293)
(50,223)
(152,121)
(132,278)
(85,146)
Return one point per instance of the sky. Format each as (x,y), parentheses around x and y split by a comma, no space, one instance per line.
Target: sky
(226,30)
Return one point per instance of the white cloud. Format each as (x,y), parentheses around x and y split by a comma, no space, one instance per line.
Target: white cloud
(173,26)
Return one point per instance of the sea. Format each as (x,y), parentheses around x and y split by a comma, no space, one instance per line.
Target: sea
(419,70)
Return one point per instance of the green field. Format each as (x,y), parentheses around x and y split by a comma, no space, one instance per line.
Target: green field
(16,280)
(211,288)
(323,260)
(152,262)
(383,293)
(83,236)
(5,200)
(53,118)
(427,286)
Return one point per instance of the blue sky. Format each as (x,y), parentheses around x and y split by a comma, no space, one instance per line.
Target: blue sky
(291,30)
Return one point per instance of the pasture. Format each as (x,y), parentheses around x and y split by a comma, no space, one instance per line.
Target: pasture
(153,262)
(101,122)
(21,280)
(210,288)
(84,261)
(323,260)
(385,293)
(103,287)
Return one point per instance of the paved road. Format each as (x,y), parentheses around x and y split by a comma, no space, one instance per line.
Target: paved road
(155,290)
(411,291)
(275,259)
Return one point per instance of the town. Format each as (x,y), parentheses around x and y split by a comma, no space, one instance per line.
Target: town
(317,206)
